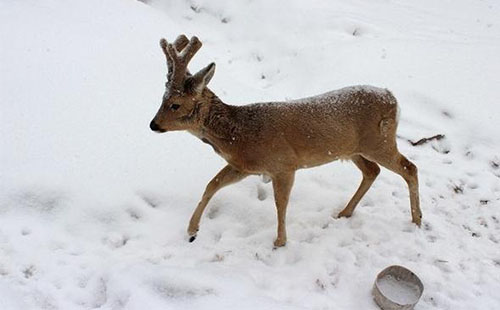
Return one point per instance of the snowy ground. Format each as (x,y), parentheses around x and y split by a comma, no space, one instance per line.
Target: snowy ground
(94,206)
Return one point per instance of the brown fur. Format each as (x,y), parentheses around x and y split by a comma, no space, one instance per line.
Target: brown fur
(277,138)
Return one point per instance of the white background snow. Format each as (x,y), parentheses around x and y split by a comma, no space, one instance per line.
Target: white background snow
(94,206)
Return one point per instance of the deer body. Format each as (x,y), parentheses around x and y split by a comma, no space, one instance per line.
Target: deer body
(277,138)
(265,138)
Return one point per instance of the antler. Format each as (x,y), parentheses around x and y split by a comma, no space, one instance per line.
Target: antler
(179,45)
(178,56)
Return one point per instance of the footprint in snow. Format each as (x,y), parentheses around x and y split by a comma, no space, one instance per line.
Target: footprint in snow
(495,166)
(150,199)
(261,192)
(447,114)
(473,185)
(134,214)
(443,265)
(40,200)
(213,211)
(431,238)
(29,271)
(468,154)
(115,240)
(441,146)
(3,271)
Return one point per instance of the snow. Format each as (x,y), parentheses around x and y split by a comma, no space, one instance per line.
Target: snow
(94,206)
(398,291)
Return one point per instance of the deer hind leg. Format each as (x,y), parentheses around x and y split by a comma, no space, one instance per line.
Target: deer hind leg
(399,164)
(228,175)
(282,185)
(370,172)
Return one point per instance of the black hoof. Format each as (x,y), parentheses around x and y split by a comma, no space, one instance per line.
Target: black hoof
(192,238)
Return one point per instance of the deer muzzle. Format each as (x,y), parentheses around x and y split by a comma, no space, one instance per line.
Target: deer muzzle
(154,127)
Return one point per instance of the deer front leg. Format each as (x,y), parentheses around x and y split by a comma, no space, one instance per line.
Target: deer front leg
(282,185)
(226,176)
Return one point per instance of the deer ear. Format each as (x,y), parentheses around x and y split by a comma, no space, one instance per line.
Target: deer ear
(201,79)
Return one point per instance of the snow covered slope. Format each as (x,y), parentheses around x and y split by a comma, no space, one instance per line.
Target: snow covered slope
(94,206)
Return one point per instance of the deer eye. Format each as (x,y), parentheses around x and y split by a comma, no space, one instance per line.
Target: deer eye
(174,106)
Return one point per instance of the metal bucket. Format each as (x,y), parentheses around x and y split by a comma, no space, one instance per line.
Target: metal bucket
(397,288)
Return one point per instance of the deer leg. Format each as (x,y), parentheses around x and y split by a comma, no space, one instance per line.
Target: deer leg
(226,176)
(399,164)
(370,171)
(282,185)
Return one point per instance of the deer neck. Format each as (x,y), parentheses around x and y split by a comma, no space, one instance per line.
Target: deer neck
(217,126)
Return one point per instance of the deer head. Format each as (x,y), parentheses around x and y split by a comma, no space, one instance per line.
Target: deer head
(184,93)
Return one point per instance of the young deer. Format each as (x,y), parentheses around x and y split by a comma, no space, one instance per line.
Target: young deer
(277,138)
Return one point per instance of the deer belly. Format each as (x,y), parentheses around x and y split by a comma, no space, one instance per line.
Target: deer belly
(318,158)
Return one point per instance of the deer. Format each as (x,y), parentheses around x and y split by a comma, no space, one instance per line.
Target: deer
(275,139)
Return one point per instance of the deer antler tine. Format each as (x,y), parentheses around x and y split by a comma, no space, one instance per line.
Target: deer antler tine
(163,45)
(193,46)
(178,56)
(170,62)
(181,42)
(172,53)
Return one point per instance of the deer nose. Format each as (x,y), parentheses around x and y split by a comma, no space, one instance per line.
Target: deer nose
(154,126)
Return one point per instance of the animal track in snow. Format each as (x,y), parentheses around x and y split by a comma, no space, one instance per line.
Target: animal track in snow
(115,240)
(29,271)
(441,146)
(447,114)
(431,238)
(261,192)
(134,214)
(213,210)
(149,199)
(3,271)
(40,200)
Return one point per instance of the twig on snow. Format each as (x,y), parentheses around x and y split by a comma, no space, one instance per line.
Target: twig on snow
(425,140)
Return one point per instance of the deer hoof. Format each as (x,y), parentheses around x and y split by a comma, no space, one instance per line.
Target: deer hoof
(192,232)
(416,218)
(344,214)
(278,243)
